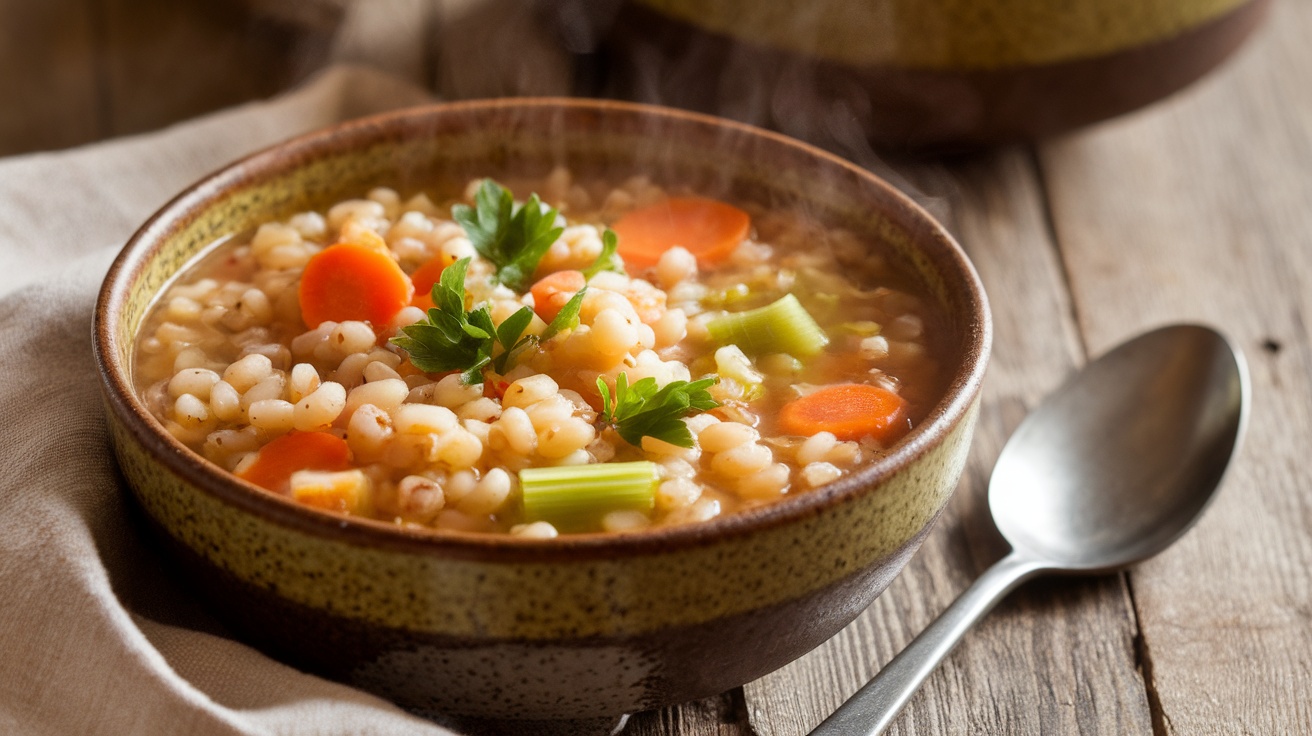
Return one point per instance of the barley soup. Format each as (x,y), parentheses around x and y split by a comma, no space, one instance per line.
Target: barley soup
(604,358)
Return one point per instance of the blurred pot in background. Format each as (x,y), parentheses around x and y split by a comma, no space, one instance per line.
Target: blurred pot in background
(907,73)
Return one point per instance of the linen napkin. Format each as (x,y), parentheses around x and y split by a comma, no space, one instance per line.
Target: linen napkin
(94,637)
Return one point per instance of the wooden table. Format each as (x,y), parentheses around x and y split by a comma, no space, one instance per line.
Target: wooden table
(1197,209)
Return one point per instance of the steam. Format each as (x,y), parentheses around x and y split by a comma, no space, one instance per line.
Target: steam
(594,48)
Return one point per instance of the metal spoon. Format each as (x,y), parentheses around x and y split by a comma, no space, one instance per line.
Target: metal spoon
(1108,471)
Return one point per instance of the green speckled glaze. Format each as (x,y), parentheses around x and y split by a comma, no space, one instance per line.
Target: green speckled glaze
(501,626)
(593,597)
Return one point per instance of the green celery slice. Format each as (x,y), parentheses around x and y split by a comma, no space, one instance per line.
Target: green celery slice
(783,326)
(576,496)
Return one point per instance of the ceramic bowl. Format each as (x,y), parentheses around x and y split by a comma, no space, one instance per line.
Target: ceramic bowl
(915,73)
(504,627)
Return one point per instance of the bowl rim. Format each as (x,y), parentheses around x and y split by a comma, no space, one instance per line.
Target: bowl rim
(953,406)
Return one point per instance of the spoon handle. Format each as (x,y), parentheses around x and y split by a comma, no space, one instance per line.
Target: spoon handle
(873,708)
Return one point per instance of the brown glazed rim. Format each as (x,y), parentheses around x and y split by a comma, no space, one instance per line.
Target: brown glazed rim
(286,156)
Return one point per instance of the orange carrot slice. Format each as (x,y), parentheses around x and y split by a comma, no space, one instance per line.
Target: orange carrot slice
(552,292)
(346,281)
(708,228)
(276,461)
(849,410)
(423,279)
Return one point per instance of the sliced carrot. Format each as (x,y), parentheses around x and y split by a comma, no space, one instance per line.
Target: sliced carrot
(708,228)
(276,461)
(552,292)
(347,281)
(423,279)
(849,410)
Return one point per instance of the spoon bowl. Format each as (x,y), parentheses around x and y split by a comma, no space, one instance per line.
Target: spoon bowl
(1123,458)
(1110,470)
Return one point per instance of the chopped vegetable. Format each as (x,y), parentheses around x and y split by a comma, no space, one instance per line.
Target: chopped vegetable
(849,411)
(781,327)
(343,491)
(737,295)
(567,318)
(450,338)
(707,228)
(575,496)
(864,328)
(513,240)
(552,291)
(641,410)
(731,362)
(278,460)
(352,282)
(424,278)
(608,259)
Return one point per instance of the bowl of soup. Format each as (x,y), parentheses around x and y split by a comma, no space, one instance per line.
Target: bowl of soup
(541,409)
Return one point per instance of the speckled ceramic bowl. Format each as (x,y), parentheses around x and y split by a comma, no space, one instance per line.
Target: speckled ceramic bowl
(505,627)
(917,73)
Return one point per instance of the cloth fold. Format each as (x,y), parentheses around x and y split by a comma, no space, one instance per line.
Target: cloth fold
(95,638)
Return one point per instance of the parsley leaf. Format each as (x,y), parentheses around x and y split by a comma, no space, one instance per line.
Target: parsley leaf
(514,240)
(641,410)
(568,316)
(607,260)
(452,339)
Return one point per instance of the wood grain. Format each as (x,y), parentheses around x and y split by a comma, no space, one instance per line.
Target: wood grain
(1196,209)
(723,715)
(1059,657)
(1201,209)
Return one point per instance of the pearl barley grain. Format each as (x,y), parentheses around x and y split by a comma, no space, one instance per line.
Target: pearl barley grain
(190,411)
(675,265)
(248,371)
(194,381)
(271,415)
(225,402)
(726,436)
(528,391)
(489,494)
(742,460)
(535,530)
(318,410)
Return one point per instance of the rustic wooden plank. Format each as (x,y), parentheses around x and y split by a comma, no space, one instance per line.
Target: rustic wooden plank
(722,715)
(47,75)
(1201,209)
(1059,657)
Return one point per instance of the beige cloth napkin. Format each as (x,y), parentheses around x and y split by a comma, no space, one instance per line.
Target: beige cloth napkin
(94,637)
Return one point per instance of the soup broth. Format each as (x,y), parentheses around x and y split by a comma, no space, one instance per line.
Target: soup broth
(607,358)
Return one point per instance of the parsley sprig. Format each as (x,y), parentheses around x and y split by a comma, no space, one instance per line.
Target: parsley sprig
(642,410)
(450,338)
(514,240)
(608,259)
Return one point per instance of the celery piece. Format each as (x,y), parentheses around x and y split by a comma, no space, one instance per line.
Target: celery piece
(574,497)
(731,362)
(864,328)
(781,327)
